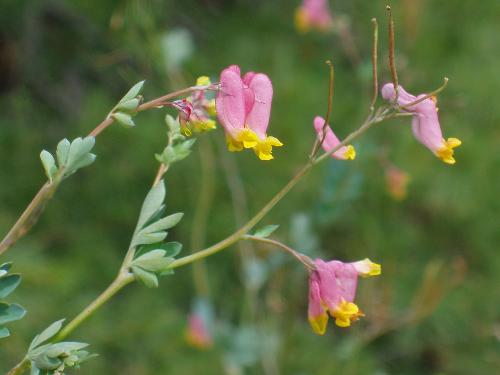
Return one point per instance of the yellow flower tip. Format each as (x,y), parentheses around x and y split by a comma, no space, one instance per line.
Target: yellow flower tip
(210,108)
(232,144)
(247,138)
(264,149)
(445,153)
(346,313)
(350,152)
(367,268)
(203,81)
(301,21)
(273,141)
(319,323)
(202,126)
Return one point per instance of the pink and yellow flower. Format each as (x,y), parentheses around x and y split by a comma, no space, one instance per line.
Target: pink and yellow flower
(332,289)
(331,141)
(243,108)
(195,111)
(425,123)
(313,14)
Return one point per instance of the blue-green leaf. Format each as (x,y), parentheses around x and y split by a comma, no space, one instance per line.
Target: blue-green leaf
(49,164)
(46,334)
(148,278)
(10,313)
(152,203)
(133,92)
(8,284)
(265,231)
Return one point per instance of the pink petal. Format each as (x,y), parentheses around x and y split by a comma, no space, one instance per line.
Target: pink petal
(314,309)
(331,141)
(258,117)
(230,103)
(346,277)
(404,98)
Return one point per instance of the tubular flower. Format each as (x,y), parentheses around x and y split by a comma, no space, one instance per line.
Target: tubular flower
(313,14)
(331,141)
(243,108)
(195,111)
(425,123)
(332,289)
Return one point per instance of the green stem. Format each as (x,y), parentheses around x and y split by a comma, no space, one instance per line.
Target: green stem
(30,215)
(124,278)
(20,368)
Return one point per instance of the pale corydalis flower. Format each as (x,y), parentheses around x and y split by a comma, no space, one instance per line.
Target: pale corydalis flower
(197,334)
(332,289)
(331,141)
(313,14)
(243,108)
(195,111)
(397,182)
(425,123)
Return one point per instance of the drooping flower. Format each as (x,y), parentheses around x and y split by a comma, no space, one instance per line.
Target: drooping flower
(396,182)
(331,141)
(313,14)
(195,111)
(243,108)
(332,289)
(425,123)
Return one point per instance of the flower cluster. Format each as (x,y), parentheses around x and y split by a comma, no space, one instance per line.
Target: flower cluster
(332,289)
(243,108)
(313,14)
(425,123)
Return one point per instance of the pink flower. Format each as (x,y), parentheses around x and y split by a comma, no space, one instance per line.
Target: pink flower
(243,108)
(425,124)
(197,334)
(331,141)
(195,111)
(332,289)
(313,14)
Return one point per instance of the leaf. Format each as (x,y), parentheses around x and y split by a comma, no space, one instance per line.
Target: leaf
(173,124)
(62,152)
(8,284)
(152,203)
(34,370)
(4,332)
(84,161)
(64,348)
(171,248)
(153,261)
(49,164)
(148,278)
(128,106)
(44,362)
(265,231)
(142,238)
(10,313)
(133,92)
(163,224)
(124,119)
(6,266)
(172,154)
(46,334)
(78,152)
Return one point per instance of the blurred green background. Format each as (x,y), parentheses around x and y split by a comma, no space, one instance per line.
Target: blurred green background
(434,310)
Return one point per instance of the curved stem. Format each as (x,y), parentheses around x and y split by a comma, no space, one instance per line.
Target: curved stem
(304,259)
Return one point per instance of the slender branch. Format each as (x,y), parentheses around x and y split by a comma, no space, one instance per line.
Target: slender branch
(392,60)
(374,64)
(123,279)
(427,96)
(304,259)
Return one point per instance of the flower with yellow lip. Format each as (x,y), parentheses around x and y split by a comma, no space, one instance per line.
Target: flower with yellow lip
(332,289)
(330,141)
(425,123)
(244,107)
(313,14)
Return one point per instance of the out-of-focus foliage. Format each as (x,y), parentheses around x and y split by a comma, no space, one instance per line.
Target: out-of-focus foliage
(65,64)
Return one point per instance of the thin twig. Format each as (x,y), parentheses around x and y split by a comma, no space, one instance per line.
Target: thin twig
(392,60)
(374,64)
